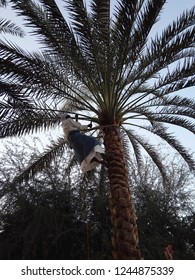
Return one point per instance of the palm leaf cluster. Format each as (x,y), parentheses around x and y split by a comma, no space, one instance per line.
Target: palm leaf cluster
(105,67)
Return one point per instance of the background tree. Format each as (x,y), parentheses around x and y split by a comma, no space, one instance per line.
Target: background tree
(163,211)
(111,72)
(50,217)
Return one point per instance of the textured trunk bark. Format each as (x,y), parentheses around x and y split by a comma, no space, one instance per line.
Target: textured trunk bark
(123,217)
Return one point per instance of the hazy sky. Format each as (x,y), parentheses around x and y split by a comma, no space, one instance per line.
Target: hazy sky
(172,9)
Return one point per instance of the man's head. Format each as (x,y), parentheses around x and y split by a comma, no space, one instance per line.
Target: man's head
(65,116)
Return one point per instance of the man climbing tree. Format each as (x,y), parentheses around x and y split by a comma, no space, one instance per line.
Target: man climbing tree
(88,150)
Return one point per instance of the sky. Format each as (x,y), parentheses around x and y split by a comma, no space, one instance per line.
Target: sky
(172,9)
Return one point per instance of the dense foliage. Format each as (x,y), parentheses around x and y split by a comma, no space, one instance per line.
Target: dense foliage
(53,218)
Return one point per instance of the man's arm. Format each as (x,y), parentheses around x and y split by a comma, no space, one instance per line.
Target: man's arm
(78,125)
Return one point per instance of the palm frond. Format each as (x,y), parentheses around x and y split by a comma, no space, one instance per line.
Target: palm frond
(125,14)
(134,20)
(6,26)
(190,126)
(23,121)
(68,52)
(150,149)
(136,152)
(82,26)
(100,18)
(44,78)
(70,47)
(127,144)
(180,78)
(183,23)
(149,104)
(161,107)
(160,130)
(21,66)
(88,61)
(174,112)
(49,25)
(170,46)
(173,46)
(11,104)
(146,18)
(40,162)
(53,10)
(162,104)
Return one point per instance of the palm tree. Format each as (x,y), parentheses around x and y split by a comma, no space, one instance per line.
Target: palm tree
(111,72)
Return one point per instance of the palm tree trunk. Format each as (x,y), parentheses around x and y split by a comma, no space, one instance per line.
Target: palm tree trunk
(123,217)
